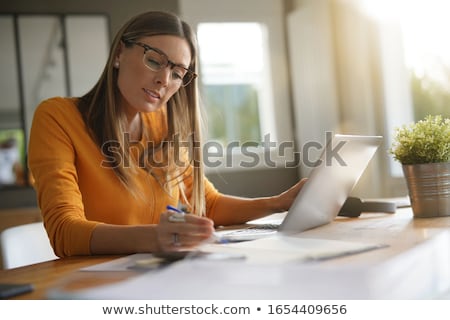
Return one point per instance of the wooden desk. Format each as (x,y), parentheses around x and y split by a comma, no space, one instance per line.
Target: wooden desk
(400,231)
(49,274)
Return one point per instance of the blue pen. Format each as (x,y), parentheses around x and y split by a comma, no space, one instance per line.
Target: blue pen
(171,208)
(177,215)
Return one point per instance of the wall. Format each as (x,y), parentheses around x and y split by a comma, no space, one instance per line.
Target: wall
(333,58)
(118,11)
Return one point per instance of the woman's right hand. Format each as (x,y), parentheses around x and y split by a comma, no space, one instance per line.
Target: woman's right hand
(176,236)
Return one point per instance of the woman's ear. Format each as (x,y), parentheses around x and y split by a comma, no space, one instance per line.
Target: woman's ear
(118,54)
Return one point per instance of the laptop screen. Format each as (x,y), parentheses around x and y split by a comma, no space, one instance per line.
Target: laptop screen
(335,174)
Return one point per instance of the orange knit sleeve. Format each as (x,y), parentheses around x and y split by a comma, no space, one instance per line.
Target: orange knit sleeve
(51,159)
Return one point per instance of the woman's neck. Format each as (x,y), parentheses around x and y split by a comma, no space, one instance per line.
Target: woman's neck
(134,126)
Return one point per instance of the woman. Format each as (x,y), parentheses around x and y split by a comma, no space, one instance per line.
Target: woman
(107,164)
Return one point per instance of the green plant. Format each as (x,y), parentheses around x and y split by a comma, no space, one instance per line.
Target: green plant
(424,141)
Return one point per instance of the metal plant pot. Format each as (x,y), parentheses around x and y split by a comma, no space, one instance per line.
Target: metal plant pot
(429,189)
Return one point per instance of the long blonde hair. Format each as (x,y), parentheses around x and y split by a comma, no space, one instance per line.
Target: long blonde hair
(105,120)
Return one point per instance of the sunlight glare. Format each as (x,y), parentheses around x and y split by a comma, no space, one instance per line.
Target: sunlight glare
(425,26)
(231,44)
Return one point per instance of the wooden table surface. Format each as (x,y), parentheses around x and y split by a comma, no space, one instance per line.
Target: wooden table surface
(51,274)
(400,231)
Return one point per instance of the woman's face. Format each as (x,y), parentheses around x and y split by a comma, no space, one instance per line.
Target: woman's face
(144,90)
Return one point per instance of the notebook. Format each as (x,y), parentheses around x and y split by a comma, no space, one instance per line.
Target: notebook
(340,166)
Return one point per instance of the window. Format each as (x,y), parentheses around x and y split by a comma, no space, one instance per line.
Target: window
(243,79)
(424,29)
(414,41)
(234,79)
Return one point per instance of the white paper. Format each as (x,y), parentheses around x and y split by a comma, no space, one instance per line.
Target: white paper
(422,272)
(281,249)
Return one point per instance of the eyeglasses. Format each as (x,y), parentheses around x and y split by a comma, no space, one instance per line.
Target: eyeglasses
(156,60)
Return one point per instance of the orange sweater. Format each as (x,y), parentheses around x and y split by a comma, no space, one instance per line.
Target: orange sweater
(75,192)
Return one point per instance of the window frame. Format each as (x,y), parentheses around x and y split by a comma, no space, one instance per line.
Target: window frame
(278,123)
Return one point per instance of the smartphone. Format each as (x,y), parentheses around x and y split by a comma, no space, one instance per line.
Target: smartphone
(9,290)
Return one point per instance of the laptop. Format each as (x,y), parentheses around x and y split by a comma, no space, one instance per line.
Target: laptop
(332,178)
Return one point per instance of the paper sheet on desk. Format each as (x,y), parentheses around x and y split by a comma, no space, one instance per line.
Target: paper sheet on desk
(422,272)
(282,249)
(273,250)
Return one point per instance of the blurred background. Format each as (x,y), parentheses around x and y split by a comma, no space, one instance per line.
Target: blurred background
(274,76)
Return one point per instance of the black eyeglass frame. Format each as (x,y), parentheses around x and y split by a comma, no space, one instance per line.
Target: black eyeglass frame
(191,74)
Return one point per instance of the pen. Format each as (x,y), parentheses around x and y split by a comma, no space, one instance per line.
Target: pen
(171,208)
(177,215)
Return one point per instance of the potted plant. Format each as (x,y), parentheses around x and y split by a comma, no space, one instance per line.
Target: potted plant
(423,149)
